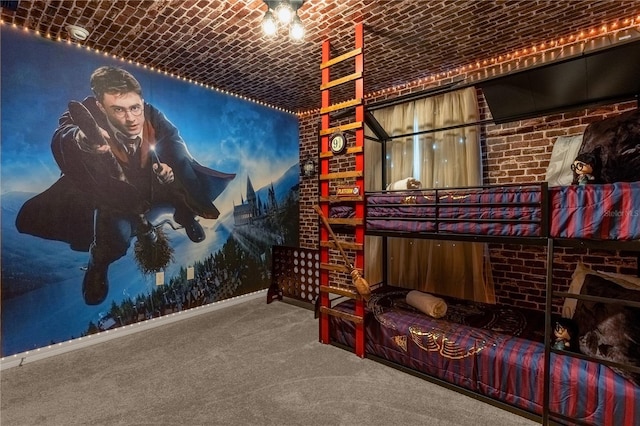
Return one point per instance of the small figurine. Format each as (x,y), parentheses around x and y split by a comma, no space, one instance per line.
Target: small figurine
(563,335)
(584,168)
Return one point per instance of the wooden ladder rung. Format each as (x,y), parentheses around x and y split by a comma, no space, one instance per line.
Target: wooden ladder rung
(335,267)
(342,80)
(350,150)
(349,221)
(336,199)
(341,314)
(341,105)
(344,244)
(342,291)
(350,126)
(341,58)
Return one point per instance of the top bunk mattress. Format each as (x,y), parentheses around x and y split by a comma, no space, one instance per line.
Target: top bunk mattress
(493,210)
(594,212)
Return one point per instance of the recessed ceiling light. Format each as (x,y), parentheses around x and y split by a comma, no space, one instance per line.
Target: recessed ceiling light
(77,32)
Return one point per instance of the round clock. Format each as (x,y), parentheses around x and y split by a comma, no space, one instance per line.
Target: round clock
(338,143)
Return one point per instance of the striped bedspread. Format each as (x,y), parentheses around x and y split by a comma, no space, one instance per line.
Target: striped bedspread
(600,212)
(487,352)
(499,211)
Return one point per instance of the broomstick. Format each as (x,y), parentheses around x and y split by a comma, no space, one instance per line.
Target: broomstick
(358,281)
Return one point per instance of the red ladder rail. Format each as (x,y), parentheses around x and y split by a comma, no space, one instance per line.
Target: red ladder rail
(331,173)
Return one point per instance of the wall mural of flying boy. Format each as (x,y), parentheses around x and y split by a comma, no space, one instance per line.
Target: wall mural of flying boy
(120,157)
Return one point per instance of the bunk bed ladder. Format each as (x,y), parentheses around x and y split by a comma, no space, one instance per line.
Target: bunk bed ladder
(344,186)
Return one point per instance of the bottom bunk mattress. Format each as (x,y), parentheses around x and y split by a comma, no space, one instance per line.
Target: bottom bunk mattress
(493,350)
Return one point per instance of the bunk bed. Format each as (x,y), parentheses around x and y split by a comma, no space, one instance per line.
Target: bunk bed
(501,353)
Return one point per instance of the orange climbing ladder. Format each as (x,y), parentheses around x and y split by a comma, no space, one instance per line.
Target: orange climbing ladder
(342,181)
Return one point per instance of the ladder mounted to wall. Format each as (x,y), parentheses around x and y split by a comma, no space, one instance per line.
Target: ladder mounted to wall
(342,181)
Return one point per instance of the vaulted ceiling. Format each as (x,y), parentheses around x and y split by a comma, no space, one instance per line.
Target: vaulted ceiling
(219,42)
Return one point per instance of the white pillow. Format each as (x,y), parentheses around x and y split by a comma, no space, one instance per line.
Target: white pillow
(565,151)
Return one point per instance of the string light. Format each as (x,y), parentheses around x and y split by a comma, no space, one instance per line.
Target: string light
(526,55)
(581,37)
(144,66)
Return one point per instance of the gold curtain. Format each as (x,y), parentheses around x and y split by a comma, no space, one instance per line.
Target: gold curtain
(449,158)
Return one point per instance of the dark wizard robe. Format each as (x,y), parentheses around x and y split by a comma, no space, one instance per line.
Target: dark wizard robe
(64,212)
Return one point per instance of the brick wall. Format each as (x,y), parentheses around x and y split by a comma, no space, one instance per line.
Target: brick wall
(512,152)
(309,188)
(520,152)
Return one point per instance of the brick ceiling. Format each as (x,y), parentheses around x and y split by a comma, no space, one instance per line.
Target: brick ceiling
(219,42)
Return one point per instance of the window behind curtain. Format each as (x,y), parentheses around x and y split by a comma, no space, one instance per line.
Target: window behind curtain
(439,159)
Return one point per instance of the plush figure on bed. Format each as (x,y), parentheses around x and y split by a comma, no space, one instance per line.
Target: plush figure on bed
(406,183)
(585,169)
(565,335)
(616,140)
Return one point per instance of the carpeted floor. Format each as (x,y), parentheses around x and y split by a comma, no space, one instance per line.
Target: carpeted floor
(248,364)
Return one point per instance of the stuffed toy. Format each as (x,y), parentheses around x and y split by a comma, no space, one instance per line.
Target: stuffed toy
(406,183)
(565,335)
(616,141)
(586,169)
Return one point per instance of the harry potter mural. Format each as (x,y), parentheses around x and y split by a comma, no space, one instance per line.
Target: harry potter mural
(108,149)
(111,182)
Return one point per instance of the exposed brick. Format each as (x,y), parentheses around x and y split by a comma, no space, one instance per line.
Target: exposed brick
(401,51)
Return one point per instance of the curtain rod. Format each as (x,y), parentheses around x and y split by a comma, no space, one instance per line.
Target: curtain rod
(418,95)
(443,129)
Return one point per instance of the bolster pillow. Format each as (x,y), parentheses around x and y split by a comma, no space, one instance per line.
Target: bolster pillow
(427,303)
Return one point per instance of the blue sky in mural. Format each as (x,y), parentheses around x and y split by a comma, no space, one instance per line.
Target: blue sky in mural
(226,133)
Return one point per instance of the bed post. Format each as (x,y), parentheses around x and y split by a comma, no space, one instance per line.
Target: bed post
(547,333)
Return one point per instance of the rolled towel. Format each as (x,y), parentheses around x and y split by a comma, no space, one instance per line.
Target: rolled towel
(427,303)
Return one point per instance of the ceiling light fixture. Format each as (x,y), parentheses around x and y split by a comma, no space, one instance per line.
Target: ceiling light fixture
(77,32)
(283,14)
(269,25)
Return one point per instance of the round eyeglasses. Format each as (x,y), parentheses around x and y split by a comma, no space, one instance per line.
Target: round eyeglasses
(578,166)
(121,112)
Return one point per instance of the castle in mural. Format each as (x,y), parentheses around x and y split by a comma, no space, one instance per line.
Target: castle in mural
(253,208)
(261,222)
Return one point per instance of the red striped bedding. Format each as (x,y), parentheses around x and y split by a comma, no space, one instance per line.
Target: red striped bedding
(511,210)
(600,212)
(494,350)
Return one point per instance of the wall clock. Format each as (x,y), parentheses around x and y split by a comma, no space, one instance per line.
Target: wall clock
(338,143)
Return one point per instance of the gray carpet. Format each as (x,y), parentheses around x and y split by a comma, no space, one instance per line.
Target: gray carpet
(248,364)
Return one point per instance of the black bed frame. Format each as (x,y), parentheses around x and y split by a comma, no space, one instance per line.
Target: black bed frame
(544,239)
